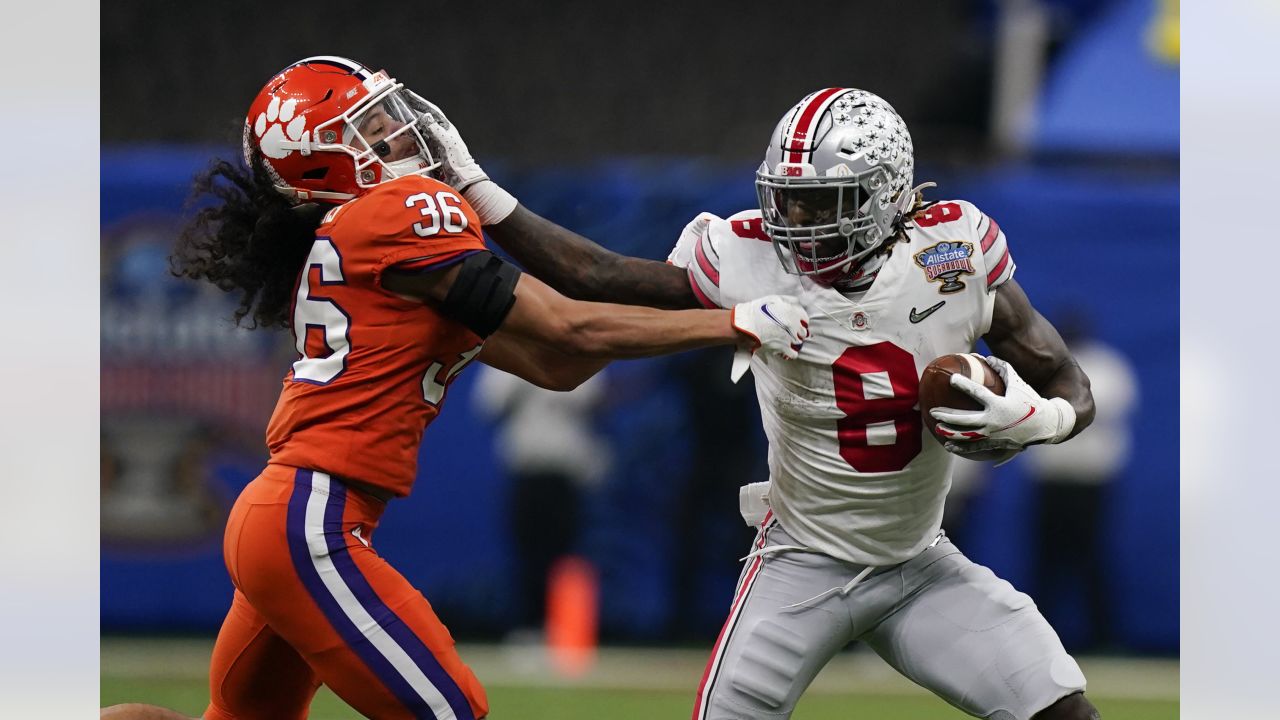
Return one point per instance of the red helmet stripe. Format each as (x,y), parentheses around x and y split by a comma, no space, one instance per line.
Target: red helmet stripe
(801,140)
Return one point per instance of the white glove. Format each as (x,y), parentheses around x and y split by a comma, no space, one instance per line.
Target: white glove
(776,324)
(682,254)
(461,171)
(1011,421)
(964,449)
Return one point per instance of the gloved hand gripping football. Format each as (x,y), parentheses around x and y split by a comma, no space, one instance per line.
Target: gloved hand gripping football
(1012,421)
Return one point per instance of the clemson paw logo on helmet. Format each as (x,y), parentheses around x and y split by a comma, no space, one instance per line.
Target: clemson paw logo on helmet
(277,124)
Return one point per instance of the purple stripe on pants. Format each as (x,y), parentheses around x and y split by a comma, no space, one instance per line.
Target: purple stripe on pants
(351,635)
(401,633)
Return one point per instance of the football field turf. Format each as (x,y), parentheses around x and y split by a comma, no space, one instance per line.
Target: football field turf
(632,684)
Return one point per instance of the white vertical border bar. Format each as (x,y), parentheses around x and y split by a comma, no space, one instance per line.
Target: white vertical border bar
(1230,487)
(49,428)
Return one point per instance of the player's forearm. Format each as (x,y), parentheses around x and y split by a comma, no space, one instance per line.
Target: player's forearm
(619,331)
(1043,361)
(1071,384)
(1026,340)
(583,270)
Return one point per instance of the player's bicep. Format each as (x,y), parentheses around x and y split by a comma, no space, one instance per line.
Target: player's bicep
(485,293)
(540,314)
(477,292)
(429,286)
(1021,336)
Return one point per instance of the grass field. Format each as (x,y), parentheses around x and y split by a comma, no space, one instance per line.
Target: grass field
(632,684)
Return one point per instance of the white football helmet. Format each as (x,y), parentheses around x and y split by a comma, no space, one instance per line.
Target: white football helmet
(835,179)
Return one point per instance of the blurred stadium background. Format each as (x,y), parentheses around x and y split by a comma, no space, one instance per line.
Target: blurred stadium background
(1058,117)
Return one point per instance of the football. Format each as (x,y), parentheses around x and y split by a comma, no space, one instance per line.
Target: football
(936,391)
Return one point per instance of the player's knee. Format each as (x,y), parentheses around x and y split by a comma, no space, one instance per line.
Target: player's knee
(765,675)
(1072,707)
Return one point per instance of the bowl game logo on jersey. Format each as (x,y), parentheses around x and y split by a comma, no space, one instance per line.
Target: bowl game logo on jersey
(945,262)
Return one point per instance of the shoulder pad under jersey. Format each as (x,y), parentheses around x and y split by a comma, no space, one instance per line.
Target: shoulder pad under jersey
(410,222)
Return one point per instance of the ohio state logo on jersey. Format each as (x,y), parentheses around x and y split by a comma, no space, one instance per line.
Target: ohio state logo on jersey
(945,262)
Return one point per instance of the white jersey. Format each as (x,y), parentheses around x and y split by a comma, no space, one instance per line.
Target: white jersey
(852,473)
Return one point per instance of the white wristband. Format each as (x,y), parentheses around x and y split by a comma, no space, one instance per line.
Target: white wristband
(1066,420)
(491,203)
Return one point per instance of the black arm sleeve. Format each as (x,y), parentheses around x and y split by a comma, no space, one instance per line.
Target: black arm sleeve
(482,294)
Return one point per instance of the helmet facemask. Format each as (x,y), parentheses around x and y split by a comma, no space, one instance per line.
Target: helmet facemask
(383,135)
(836,172)
(823,227)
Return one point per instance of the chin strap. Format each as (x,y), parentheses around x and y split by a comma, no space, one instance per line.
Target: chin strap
(861,278)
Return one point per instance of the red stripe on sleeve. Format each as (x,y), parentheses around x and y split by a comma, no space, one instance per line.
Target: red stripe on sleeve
(704,263)
(993,231)
(999,268)
(698,293)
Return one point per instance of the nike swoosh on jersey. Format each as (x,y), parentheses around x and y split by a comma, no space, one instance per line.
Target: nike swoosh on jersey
(918,316)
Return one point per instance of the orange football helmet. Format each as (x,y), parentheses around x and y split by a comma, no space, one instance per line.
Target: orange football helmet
(329,128)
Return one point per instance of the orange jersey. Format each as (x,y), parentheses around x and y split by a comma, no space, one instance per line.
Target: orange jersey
(373,366)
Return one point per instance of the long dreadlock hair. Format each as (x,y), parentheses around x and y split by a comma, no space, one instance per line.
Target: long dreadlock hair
(918,205)
(902,224)
(252,240)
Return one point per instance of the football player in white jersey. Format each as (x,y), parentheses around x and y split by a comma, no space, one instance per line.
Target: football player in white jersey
(849,546)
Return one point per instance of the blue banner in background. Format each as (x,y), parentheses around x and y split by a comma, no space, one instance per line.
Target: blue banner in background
(185,402)
(1103,245)
(1115,88)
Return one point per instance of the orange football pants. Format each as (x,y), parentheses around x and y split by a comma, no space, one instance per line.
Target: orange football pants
(314,603)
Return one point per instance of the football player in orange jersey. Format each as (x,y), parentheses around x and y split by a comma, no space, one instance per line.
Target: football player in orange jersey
(340,231)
